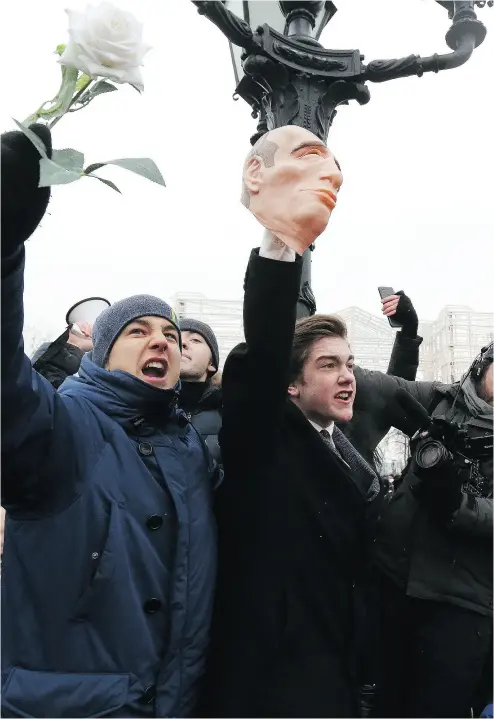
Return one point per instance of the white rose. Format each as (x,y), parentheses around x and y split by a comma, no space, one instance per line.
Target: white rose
(105,42)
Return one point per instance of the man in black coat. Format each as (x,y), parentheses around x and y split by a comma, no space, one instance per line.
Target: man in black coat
(433,552)
(292,512)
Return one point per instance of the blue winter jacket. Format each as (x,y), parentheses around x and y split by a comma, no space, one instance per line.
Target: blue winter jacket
(110,551)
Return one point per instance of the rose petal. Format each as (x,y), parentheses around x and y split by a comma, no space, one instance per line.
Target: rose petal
(106,42)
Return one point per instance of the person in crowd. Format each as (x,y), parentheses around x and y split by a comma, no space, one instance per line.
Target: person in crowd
(433,555)
(200,396)
(61,358)
(292,508)
(110,553)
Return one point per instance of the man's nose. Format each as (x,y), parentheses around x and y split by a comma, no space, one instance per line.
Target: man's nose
(158,341)
(346,376)
(332,173)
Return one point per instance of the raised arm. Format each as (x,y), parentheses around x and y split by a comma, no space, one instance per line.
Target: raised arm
(36,436)
(256,373)
(404,360)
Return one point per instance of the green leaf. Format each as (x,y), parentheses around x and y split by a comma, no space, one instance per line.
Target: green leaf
(140,165)
(37,142)
(52,174)
(105,182)
(59,50)
(69,159)
(100,87)
(82,81)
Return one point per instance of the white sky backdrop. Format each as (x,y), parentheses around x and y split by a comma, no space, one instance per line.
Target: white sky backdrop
(415,211)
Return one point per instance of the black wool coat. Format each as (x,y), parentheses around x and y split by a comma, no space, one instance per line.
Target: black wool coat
(292,532)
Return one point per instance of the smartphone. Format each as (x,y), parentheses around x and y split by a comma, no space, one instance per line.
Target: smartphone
(386,292)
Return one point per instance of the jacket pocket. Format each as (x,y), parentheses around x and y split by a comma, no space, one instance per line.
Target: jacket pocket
(49,694)
(105,569)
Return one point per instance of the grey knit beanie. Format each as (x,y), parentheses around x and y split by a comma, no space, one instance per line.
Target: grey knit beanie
(187,324)
(111,322)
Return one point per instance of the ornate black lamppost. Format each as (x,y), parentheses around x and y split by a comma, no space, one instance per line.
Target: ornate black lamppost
(288,78)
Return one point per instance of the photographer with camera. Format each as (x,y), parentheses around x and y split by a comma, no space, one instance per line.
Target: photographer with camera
(433,554)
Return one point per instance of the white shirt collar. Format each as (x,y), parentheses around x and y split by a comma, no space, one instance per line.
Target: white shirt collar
(318,428)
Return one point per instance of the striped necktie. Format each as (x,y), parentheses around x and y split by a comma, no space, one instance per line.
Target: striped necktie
(328,439)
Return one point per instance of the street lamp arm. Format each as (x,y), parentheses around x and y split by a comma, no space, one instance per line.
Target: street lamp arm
(384,70)
(465,34)
(233,27)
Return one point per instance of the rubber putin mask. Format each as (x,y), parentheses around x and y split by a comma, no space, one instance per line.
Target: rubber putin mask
(290,184)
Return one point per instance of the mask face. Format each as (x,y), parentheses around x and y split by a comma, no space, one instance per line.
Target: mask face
(291,182)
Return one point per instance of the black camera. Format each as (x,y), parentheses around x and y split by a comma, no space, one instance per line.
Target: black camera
(432,454)
(446,446)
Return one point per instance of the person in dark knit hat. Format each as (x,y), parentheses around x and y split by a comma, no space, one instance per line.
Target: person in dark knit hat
(110,553)
(200,396)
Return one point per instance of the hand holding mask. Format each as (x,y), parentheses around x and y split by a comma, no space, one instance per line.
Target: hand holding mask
(290,184)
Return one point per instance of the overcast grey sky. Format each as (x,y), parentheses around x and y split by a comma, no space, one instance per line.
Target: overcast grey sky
(415,211)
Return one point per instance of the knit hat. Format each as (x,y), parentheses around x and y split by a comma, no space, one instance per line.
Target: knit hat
(111,322)
(187,324)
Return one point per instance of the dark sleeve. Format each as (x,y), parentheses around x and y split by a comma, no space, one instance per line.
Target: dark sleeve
(256,373)
(404,359)
(376,395)
(59,361)
(37,441)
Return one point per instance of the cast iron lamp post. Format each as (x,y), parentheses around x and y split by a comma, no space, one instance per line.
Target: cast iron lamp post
(288,78)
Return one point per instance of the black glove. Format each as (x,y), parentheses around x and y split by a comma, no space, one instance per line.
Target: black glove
(23,202)
(406,315)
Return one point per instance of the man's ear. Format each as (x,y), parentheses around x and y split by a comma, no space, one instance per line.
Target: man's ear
(253,172)
(293,390)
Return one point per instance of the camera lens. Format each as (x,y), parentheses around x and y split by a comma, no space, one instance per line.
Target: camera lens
(431,454)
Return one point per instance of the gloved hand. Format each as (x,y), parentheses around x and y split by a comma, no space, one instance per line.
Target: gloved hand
(23,202)
(405,314)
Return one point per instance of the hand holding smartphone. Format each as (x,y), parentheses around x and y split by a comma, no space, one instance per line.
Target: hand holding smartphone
(387,292)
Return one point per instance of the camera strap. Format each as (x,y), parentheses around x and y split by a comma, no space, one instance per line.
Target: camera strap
(435,401)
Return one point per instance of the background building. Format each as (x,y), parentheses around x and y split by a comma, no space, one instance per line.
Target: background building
(453,340)
(450,342)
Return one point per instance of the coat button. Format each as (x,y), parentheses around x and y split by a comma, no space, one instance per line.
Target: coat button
(148,695)
(152,605)
(145,448)
(155,521)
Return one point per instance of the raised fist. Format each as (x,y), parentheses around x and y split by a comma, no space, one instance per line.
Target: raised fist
(23,202)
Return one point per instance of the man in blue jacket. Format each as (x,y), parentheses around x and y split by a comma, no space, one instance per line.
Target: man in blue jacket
(109,560)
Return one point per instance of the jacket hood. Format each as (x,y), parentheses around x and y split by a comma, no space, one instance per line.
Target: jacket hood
(120,395)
